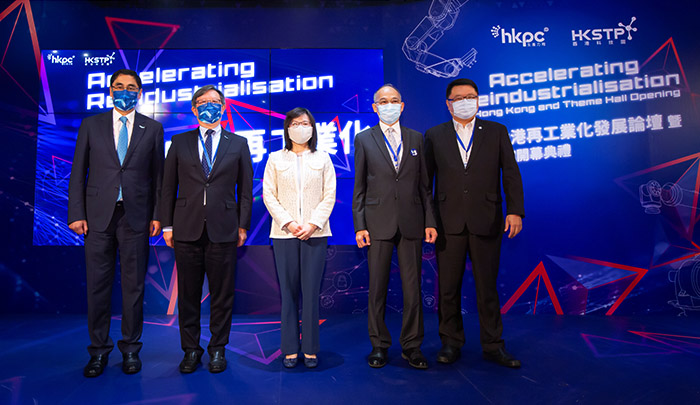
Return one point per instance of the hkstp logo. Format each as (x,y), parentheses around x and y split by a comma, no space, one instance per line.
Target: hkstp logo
(99,60)
(525,38)
(620,34)
(61,60)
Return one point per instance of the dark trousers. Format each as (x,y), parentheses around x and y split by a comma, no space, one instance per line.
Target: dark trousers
(100,259)
(300,263)
(484,252)
(218,262)
(409,252)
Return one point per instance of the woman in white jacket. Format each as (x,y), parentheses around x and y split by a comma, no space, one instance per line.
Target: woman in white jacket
(299,193)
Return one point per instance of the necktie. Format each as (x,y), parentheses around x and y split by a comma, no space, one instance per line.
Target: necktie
(391,135)
(122,144)
(206,156)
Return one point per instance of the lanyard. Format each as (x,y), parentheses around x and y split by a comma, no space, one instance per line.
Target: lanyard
(394,154)
(210,160)
(469,147)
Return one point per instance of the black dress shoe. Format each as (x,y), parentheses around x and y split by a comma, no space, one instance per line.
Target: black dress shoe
(190,362)
(290,362)
(448,354)
(96,365)
(502,357)
(311,362)
(378,357)
(217,361)
(415,358)
(131,363)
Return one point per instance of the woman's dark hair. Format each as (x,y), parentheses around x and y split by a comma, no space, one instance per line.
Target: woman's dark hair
(296,113)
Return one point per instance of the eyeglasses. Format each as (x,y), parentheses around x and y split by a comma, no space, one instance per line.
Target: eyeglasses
(120,87)
(304,124)
(460,98)
(202,102)
(384,101)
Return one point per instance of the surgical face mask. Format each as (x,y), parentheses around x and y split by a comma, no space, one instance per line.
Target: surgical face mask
(124,100)
(209,113)
(464,109)
(389,113)
(300,135)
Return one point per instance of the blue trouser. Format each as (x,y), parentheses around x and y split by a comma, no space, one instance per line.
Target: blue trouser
(300,263)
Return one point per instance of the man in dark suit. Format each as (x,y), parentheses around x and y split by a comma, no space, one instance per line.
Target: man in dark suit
(392,206)
(207,202)
(469,158)
(114,188)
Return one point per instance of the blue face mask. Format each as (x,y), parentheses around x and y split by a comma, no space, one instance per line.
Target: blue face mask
(209,113)
(389,113)
(124,100)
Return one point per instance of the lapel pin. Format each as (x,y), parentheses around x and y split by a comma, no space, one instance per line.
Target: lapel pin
(414,152)
(480,127)
(142,127)
(226,136)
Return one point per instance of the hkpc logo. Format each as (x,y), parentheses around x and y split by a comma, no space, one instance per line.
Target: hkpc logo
(55,58)
(524,38)
(604,36)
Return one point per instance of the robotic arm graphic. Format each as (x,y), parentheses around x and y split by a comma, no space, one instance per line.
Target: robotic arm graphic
(441,17)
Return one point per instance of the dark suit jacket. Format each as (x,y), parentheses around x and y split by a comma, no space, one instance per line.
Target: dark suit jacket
(184,186)
(96,173)
(385,201)
(472,197)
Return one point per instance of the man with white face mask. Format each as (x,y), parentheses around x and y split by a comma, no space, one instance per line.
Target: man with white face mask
(469,158)
(392,208)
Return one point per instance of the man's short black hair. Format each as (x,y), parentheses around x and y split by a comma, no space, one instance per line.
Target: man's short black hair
(460,82)
(126,72)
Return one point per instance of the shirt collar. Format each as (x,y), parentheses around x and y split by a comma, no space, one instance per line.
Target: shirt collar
(469,127)
(129,117)
(396,127)
(203,131)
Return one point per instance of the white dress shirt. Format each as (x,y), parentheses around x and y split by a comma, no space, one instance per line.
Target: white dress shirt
(397,134)
(216,137)
(117,126)
(465,133)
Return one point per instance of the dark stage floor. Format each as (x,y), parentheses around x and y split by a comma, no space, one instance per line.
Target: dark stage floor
(566,359)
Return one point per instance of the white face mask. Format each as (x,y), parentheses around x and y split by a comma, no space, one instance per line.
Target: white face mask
(300,135)
(389,113)
(464,109)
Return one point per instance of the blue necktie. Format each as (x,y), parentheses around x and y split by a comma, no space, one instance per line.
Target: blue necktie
(122,144)
(207,157)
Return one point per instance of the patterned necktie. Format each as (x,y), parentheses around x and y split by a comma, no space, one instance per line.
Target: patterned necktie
(122,144)
(391,135)
(207,157)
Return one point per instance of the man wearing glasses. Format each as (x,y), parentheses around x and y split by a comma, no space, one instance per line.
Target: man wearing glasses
(392,208)
(112,199)
(206,208)
(469,158)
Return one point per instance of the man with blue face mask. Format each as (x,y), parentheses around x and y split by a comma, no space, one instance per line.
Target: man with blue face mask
(392,208)
(112,199)
(207,203)
(469,158)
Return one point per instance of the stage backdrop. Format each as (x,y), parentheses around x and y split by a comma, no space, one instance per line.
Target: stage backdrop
(600,101)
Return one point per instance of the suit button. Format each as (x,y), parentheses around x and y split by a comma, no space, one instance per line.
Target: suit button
(206,184)
(121,170)
(397,179)
(465,191)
